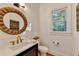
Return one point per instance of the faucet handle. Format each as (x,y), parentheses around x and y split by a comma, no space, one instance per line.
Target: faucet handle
(21,40)
(12,42)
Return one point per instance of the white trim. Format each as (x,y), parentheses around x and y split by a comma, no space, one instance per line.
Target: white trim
(55,53)
(60,33)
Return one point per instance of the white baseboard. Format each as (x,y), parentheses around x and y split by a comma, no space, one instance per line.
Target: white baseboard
(56,53)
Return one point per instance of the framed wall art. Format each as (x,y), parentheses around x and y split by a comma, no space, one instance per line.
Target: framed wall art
(14,25)
(59,23)
(77,15)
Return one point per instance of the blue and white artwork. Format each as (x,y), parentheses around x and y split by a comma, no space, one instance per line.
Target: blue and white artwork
(59,20)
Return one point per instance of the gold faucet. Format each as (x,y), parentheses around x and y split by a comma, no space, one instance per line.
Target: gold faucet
(19,40)
(12,42)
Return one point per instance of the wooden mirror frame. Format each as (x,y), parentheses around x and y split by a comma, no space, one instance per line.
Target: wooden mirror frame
(6,10)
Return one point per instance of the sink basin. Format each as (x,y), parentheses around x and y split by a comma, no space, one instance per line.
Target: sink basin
(23,44)
(15,47)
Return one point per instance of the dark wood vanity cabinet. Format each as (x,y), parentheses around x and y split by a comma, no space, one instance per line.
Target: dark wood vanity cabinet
(32,51)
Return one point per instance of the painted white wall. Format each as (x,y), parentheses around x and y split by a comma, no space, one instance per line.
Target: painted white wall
(32,16)
(47,36)
(75,33)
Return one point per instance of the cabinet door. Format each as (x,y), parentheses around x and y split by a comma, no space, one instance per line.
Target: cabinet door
(33,51)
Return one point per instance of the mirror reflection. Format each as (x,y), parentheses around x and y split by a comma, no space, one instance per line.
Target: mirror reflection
(10,18)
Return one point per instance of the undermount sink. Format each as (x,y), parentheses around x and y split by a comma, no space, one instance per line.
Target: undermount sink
(23,44)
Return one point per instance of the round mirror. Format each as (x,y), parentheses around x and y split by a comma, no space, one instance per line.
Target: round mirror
(12,21)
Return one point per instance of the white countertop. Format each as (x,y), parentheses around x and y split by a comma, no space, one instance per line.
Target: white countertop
(10,51)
